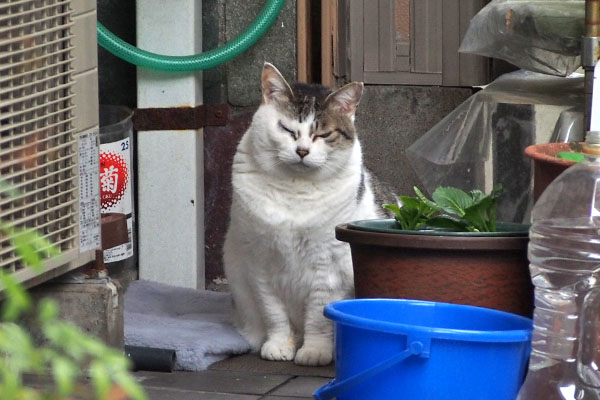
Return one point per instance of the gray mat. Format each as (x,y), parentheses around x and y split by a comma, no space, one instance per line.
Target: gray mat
(196,324)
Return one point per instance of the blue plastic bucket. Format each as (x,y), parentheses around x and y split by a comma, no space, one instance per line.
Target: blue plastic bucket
(418,350)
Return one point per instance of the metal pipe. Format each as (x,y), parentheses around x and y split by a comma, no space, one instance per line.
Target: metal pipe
(590,53)
(592,18)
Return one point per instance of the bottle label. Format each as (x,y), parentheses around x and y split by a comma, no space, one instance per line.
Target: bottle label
(89,215)
(116,191)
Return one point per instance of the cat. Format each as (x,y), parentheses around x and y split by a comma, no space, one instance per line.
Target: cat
(297,173)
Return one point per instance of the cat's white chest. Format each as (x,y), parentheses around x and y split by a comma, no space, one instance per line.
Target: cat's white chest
(289,205)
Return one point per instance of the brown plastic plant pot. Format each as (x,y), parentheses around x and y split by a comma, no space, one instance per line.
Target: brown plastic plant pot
(546,166)
(491,272)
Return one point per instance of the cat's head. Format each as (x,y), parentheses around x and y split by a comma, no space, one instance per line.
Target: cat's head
(304,128)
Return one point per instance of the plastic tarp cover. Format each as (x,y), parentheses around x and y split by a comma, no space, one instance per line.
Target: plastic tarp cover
(481,143)
(536,35)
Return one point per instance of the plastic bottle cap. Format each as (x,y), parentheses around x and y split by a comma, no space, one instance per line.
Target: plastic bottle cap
(592,143)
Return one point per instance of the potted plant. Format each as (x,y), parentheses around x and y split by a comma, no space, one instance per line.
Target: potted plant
(549,161)
(449,249)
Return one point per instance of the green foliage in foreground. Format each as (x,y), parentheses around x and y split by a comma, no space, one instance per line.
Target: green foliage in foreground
(68,355)
(451,209)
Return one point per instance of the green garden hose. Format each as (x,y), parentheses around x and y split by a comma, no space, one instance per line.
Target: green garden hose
(206,60)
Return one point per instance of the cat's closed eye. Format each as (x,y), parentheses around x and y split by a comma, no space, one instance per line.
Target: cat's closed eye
(288,130)
(322,136)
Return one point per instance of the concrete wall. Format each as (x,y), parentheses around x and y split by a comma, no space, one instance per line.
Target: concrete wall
(238,81)
(391,118)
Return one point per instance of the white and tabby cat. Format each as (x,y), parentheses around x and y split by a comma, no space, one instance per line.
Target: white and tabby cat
(297,173)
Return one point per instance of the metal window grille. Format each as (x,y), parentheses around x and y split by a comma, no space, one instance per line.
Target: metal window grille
(38,143)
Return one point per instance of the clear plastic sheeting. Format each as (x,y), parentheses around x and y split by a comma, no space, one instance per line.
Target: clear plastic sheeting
(569,127)
(481,143)
(537,35)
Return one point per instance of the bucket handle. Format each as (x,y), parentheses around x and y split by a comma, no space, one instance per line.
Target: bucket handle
(333,388)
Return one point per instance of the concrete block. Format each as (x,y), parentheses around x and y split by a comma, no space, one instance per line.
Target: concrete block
(277,46)
(97,308)
(391,118)
(213,31)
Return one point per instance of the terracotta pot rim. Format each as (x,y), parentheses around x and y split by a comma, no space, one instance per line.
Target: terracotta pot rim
(537,153)
(407,241)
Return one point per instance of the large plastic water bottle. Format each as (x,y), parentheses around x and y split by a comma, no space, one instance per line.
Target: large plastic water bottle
(564,255)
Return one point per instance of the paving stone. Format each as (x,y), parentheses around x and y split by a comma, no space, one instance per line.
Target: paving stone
(163,394)
(95,306)
(213,381)
(252,362)
(284,398)
(302,386)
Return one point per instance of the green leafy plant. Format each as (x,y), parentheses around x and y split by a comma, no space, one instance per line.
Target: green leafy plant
(412,213)
(68,356)
(576,153)
(450,208)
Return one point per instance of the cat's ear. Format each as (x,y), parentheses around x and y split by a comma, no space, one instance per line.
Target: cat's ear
(274,85)
(345,100)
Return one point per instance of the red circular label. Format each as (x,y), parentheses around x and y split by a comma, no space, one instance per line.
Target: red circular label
(113,178)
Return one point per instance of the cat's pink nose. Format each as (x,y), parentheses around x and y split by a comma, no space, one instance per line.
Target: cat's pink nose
(302,152)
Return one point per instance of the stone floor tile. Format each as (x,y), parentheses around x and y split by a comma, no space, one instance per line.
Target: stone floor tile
(253,362)
(168,394)
(213,381)
(268,397)
(301,386)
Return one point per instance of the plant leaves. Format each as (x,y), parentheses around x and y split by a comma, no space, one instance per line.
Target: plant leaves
(496,191)
(491,222)
(482,215)
(66,350)
(131,387)
(8,189)
(409,202)
(10,380)
(410,212)
(408,218)
(452,200)
(47,311)
(17,300)
(30,246)
(477,195)
(65,372)
(392,207)
(100,379)
(425,200)
(446,222)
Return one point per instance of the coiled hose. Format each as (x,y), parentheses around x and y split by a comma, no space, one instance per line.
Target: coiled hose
(206,60)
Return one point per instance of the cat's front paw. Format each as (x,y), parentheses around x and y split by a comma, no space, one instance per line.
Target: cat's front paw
(278,349)
(314,354)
